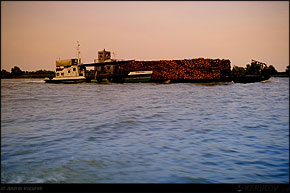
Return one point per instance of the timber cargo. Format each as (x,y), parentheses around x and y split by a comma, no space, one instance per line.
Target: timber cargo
(187,70)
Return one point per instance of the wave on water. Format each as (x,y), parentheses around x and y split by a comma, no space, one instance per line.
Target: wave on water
(151,133)
(22,81)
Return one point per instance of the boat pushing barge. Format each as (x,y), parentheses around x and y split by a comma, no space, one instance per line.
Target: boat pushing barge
(112,70)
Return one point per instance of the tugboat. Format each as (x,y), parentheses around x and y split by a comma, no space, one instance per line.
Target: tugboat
(68,71)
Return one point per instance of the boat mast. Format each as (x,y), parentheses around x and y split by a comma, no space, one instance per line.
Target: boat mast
(78,51)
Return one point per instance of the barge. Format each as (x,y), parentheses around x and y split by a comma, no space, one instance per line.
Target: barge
(187,70)
(197,70)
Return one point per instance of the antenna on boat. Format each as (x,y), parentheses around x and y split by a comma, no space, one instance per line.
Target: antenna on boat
(79,52)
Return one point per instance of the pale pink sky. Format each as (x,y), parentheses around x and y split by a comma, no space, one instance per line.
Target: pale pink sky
(35,34)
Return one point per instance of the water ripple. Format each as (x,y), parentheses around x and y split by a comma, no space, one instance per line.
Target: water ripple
(155,133)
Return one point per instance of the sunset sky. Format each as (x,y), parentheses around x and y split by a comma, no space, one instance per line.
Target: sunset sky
(36,34)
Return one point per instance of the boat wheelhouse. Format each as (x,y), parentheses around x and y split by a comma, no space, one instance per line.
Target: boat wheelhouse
(68,71)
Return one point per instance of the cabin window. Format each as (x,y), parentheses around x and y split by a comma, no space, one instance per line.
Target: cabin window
(81,74)
(62,73)
(108,67)
(69,71)
(74,69)
(57,74)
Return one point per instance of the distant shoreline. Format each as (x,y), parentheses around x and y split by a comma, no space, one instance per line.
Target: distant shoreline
(16,72)
(281,74)
(23,77)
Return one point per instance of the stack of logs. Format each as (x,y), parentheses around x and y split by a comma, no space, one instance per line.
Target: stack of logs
(188,69)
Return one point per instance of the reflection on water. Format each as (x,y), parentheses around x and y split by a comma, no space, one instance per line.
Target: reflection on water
(120,133)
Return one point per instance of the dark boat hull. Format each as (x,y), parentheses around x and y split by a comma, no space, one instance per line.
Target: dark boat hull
(250,79)
(65,81)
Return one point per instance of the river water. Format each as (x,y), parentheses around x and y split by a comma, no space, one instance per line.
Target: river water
(144,133)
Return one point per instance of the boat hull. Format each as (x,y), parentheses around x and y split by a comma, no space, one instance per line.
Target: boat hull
(250,79)
(137,79)
(65,80)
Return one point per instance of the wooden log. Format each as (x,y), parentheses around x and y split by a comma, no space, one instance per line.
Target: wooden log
(191,69)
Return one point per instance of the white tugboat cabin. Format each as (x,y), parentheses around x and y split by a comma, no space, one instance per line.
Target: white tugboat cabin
(69,71)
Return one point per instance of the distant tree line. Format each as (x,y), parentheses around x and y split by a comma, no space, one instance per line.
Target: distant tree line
(258,68)
(16,72)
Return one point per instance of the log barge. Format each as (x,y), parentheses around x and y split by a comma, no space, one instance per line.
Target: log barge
(106,70)
(188,70)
